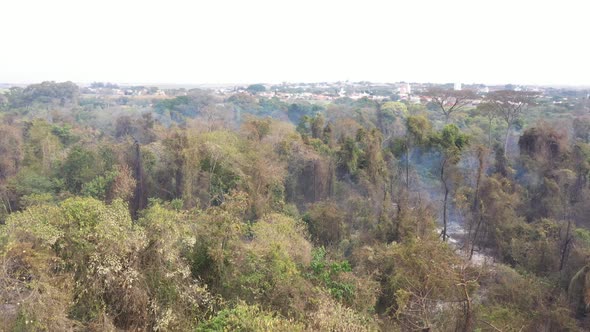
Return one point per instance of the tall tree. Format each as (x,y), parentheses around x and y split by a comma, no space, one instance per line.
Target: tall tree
(510,105)
(450,101)
(450,141)
(388,115)
(490,112)
(317,126)
(476,206)
(418,130)
(565,179)
(139,195)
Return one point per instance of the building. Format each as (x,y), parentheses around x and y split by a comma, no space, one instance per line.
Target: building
(484,90)
(405,89)
(457,86)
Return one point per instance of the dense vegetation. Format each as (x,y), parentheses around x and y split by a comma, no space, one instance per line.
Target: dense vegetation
(203,212)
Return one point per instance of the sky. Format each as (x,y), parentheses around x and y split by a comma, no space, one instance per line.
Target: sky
(256,41)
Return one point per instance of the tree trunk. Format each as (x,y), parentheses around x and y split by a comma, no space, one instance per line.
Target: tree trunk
(408,164)
(446,189)
(139,199)
(506,140)
(476,208)
(490,134)
(468,325)
(565,246)
(445,213)
(475,236)
(568,239)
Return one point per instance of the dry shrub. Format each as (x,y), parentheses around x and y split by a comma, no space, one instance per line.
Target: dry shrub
(334,317)
(366,290)
(326,223)
(123,184)
(34,293)
(287,233)
(103,323)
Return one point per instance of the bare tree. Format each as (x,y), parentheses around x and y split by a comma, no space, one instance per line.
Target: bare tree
(449,101)
(510,105)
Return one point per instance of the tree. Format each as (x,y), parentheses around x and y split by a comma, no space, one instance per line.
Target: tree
(42,147)
(79,168)
(51,92)
(256,128)
(388,114)
(418,131)
(123,126)
(565,179)
(326,223)
(139,201)
(304,126)
(476,206)
(510,105)
(256,88)
(176,145)
(450,142)
(298,110)
(328,135)
(3,101)
(450,101)
(11,151)
(317,126)
(372,158)
(490,112)
(348,158)
(582,129)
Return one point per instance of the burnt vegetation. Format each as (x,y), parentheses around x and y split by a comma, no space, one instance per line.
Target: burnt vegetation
(200,210)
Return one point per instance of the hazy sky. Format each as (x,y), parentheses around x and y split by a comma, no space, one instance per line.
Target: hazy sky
(174,41)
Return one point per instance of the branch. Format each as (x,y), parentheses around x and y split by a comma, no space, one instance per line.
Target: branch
(491,325)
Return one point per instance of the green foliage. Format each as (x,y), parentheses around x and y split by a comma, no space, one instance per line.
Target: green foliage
(256,88)
(418,128)
(349,155)
(268,268)
(451,141)
(248,318)
(64,133)
(29,182)
(37,199)
(392,109)
(297,111)
(78,169)
(42,146)
(99,186)
(327,274)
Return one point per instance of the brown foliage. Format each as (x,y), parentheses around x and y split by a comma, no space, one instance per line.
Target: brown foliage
(123,185)
(11,153)
(543,143)
(326,222)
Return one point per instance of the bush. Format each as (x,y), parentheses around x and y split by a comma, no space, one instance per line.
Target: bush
(326,223)
(246,318)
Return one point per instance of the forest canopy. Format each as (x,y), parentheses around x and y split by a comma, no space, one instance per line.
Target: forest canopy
(139,209)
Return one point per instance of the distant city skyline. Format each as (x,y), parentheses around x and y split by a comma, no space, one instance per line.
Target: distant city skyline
(240,42)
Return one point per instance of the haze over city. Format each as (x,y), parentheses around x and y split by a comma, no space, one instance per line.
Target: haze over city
(523,42)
